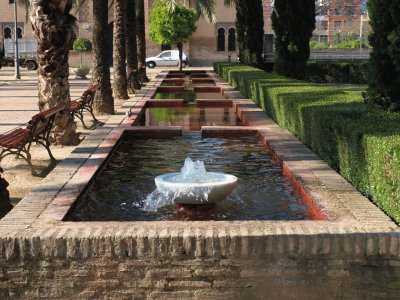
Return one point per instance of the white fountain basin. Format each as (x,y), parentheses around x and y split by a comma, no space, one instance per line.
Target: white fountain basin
(217,187)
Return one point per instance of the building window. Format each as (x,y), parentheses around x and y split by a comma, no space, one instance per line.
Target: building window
(350,10)
(337,25)
(221,39)
(19,32)
(324,25)
(323,39)
(7,32)
(84,12)
(165,47)
(232,39)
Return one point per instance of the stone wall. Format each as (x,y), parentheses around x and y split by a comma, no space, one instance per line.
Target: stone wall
(200,266)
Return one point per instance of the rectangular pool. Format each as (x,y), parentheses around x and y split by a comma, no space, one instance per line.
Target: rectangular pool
(124,189)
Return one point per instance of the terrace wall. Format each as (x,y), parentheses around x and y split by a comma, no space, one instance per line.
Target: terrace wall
(205,265)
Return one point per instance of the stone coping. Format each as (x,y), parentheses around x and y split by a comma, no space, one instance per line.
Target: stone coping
(349,215)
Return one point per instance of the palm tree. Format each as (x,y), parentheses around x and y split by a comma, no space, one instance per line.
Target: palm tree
(119,55)
(131,48)
(204,8)
(104,101)
(141,40)
(55,29)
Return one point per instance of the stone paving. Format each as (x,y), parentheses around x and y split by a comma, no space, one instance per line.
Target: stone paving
(18,98)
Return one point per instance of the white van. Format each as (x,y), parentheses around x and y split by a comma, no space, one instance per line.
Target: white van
(167,58)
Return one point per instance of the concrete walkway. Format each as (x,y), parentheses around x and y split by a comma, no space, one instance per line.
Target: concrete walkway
(19,98)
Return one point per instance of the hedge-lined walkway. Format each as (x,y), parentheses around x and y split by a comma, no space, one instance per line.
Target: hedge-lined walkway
(360,141)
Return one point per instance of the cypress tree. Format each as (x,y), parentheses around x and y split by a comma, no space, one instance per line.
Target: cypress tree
(384,64)
(293,22)
(250,31)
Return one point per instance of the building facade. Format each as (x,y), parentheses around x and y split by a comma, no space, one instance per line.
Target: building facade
(340,19)
(211,42)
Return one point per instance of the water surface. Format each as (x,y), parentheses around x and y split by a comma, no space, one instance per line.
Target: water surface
(119,191)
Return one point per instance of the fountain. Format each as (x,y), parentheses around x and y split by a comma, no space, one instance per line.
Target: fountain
(194,185)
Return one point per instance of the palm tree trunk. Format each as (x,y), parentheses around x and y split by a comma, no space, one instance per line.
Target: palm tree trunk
(141,40)
(119,55)
(131,48)
(104,101)
(55,30)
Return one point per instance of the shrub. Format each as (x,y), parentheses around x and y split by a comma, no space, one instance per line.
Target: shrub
(82,45)
(318,45)
(358,140)
(336,72)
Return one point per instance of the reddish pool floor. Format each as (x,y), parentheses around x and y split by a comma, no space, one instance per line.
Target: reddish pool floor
(190,117)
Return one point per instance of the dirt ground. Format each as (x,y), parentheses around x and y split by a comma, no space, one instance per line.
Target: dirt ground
(17,171)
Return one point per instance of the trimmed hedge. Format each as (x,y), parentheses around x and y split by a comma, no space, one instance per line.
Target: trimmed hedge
(360,141)
(337,72)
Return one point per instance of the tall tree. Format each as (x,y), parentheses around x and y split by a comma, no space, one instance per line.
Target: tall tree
(104,101)
(131,48)
(172,27)
(141,40)
(119,55)
(384,64)
(293,22)
(250,31)
(55,29)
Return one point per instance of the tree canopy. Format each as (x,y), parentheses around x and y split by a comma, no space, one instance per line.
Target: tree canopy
(171,27)
(293,22)
(250,30)
(384,65)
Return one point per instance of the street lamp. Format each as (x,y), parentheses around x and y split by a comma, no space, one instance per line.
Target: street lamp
(16,59)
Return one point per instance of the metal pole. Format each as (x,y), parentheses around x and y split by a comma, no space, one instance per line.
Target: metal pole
(16,60)
(361,33)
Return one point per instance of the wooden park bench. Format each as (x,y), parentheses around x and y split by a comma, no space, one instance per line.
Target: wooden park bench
(19,141)
(85,103)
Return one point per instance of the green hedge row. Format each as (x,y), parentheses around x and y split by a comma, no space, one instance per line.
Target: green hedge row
(360,141)
(337,72)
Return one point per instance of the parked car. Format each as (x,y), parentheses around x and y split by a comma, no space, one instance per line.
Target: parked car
(167,58)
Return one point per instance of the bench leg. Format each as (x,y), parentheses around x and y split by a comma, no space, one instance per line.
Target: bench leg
(28,160)
(96,122)
(52,158)
(19,154)
(79,115)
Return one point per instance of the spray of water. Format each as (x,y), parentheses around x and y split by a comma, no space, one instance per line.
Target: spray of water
(191,172)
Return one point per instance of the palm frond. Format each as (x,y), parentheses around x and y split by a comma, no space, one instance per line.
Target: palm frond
(230,2)
(78,4)
(204,8)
